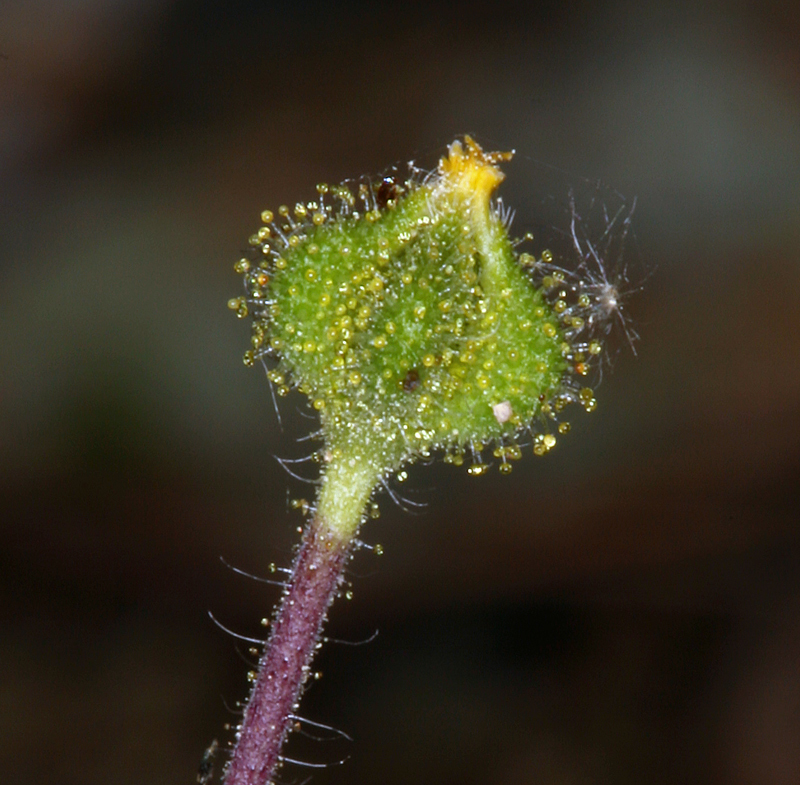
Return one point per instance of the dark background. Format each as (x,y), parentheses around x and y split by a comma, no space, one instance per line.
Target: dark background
(625,610)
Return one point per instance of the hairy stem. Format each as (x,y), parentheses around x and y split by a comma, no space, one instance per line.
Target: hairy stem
(284,667)
(315,579)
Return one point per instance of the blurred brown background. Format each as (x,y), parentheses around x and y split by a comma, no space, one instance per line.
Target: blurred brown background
(626,610)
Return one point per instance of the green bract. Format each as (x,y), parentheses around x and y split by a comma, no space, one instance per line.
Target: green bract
(410,321)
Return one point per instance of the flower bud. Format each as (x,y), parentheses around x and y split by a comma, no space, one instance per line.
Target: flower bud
(405,314)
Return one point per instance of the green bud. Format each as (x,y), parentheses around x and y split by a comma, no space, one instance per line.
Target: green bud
(405,314)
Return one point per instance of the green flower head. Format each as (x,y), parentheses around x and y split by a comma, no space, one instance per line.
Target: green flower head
(404,312)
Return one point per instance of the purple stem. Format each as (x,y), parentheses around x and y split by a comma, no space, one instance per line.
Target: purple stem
(284,667)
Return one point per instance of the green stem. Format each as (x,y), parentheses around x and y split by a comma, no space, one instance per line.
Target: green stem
(346,488)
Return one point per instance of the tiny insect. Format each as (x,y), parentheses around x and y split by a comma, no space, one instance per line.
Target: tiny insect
(205,771)
(387,191)
(411,381)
